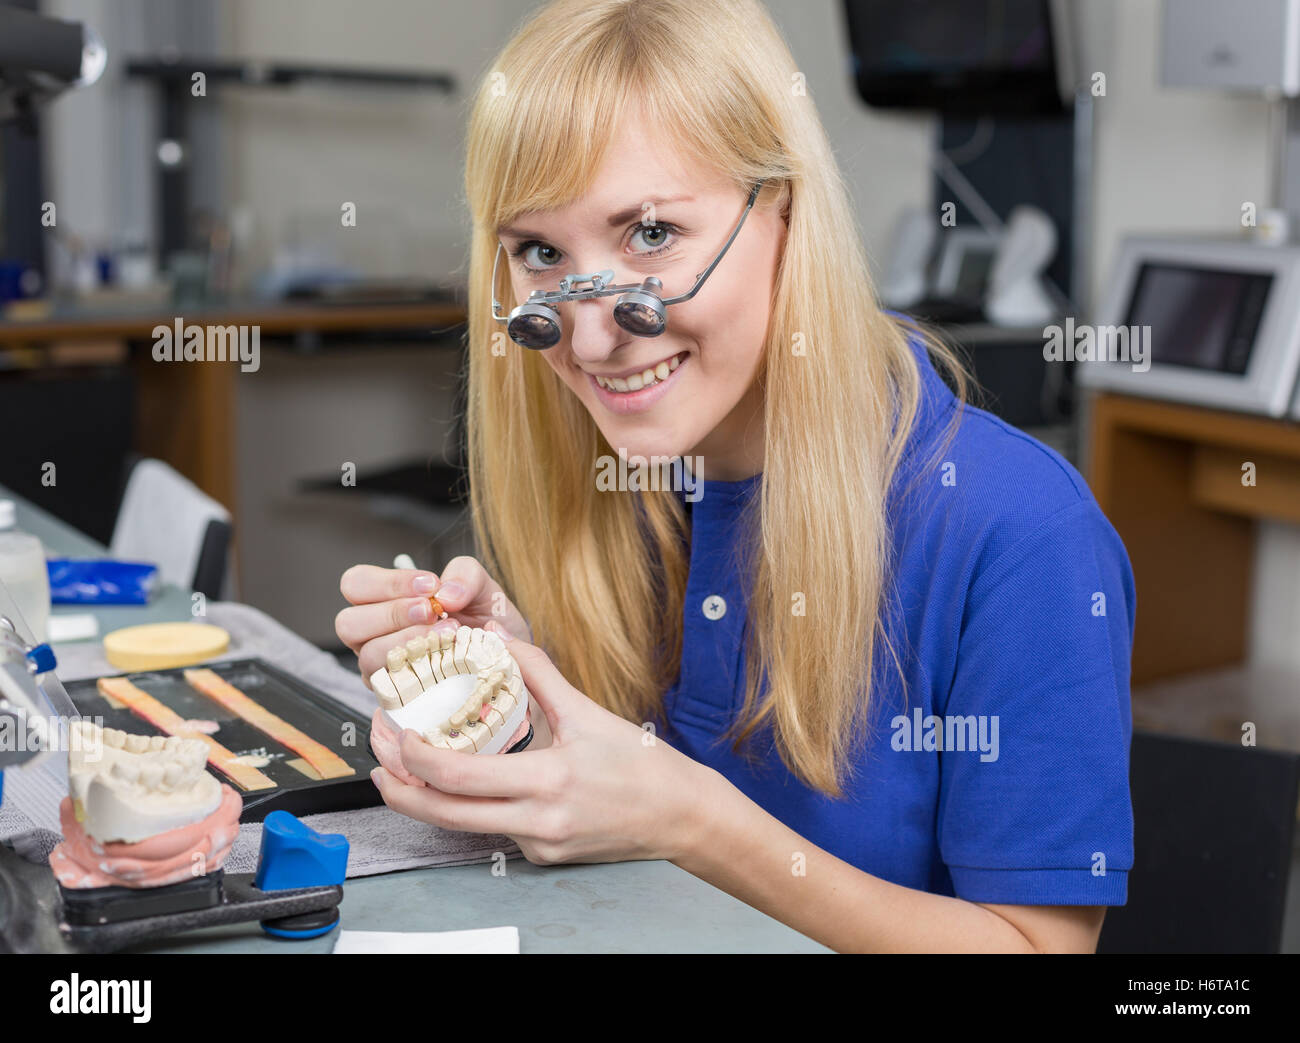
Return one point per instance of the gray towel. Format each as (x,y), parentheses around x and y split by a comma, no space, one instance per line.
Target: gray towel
(380,840)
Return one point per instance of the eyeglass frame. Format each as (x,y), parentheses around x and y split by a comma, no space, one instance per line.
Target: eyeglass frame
(600,280)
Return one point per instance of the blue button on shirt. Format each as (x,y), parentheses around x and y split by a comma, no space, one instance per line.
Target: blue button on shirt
(1013,605)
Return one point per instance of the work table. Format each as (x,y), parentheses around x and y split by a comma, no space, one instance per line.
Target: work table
(619,907)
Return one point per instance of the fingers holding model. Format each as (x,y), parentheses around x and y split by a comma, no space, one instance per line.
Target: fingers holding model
(392,606)
(604,790)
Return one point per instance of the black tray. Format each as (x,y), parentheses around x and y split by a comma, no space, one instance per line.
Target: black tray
(307,709)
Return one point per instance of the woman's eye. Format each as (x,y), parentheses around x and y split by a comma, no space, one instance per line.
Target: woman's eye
(537,255)
(654,236)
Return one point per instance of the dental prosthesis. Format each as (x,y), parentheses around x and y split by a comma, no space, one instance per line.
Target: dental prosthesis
(461,691)
(142,811)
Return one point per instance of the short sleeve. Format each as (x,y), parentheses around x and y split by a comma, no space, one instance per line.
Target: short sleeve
(1040,812)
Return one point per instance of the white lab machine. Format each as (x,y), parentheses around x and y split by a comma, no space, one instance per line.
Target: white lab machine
(1238,46)
(1219,320)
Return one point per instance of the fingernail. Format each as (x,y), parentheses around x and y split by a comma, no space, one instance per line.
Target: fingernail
(421,612)
(425,583)
(452,591)
(374,776)
(501,629)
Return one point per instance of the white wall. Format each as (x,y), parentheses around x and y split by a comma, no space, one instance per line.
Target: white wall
(1168,159)
(396,154)
(401,154)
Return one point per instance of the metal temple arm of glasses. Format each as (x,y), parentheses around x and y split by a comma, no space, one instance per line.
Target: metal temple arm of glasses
(699,279)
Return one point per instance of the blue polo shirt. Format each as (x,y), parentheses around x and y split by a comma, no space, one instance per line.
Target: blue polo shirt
(1003,775)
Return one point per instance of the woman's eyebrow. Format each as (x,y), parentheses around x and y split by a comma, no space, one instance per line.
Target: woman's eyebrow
(624,216)
(614,220)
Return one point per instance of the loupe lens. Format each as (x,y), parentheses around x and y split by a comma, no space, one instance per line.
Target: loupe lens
(534,326)
(641,313)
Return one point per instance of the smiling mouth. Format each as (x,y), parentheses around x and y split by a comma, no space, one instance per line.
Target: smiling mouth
(640,381)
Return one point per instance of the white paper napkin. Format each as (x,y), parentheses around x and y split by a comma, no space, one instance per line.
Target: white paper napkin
(482,940)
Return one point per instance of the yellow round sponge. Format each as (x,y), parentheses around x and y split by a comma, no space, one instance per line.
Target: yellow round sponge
(162,646)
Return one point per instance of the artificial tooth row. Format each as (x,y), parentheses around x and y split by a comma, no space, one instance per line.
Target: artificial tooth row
(426,662)
(645,379)
(157,762)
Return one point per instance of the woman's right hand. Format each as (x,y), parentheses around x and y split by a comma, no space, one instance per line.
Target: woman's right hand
(391,606)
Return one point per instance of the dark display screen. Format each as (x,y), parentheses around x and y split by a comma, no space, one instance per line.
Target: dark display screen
(1203,318)
(954,55)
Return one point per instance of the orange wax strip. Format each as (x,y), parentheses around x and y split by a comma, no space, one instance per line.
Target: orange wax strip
(144,705)
(322,758)
(438,611)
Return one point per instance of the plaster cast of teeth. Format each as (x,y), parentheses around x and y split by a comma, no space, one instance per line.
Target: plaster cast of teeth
(404,678)
(460,690)
(637,381)
(129,787)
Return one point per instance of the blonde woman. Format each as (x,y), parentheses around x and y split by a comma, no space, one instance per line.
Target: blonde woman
(865,664)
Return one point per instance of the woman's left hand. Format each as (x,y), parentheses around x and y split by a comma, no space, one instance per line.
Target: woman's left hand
(604,791)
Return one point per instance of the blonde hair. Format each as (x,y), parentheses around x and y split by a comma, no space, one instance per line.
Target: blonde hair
(601,578)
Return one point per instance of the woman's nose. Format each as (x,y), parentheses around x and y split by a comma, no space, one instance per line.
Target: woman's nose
(593,333)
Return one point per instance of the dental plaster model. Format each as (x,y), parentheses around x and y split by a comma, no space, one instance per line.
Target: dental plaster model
(461,691)
(142,811)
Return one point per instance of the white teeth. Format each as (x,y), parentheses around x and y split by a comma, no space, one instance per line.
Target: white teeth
(493,646)
(459,650)
(644,379)
(466,702)
(130,787)
(474,653)
(193,755)
(417,655)
(381,683)
(125,770)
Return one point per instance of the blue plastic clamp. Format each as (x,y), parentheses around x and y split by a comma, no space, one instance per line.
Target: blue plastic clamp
(294,856)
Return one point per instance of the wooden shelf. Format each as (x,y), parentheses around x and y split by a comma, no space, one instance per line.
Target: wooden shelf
(185,414)
(1169,478)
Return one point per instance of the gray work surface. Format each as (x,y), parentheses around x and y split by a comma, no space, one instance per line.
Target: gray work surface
(619,907)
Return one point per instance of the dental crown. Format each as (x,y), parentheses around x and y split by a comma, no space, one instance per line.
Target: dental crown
(462,690)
